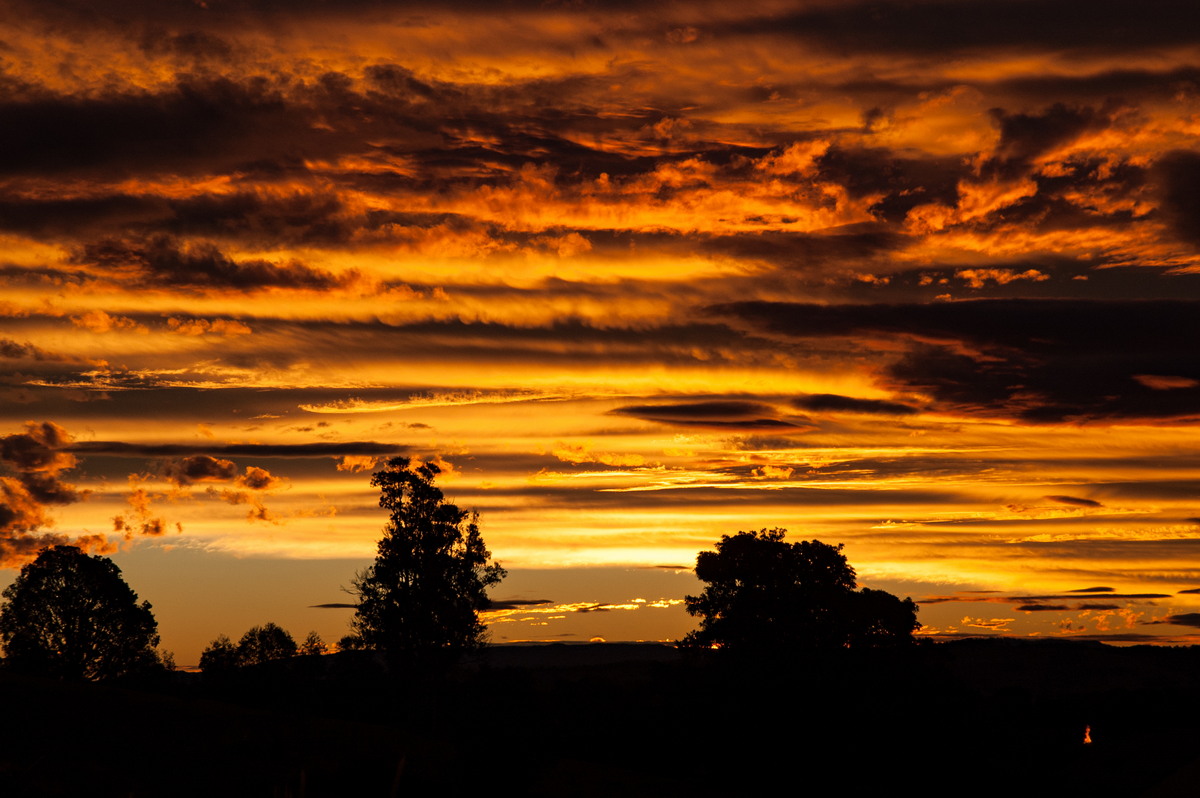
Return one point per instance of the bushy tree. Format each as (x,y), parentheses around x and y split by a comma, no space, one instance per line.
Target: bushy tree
(431,573)
(70,615)
(764,592)
(880,619)
(221,656)
(265,643)
(350,642)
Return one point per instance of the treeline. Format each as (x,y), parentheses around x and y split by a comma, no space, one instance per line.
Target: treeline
(71,614)
(260,644)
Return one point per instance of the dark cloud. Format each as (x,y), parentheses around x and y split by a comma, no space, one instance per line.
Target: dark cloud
(1023,137)
(322,218)
(760,443)
(199,468)
(1191,590)
(194,44)
(49,489)
(41,448)
(723,410)
(188,450)
(41,276)
(189,471)
(597,608)
(15,350)
(1183,619)
(1074,501)
(829,402)
(1086,606)
(37,457)
(1178,173)
(938,27)
(398,81)
(498,499)
(76,216)
(1100,85)
(1039,360)
(1149,489)
(566,343)
(333,606)
(512,604)
(1183,550)
(196,125)
(1042,608)
(1014,524)
(1076,277)
(300,217)
(167,263)
(1043,325)
(929,27)
(1032,600)
(797,251)
(1092,590)
(1067,198)
(253,215)
(714,414)
(904,182)
(747,424)
(256,478)
(927,466)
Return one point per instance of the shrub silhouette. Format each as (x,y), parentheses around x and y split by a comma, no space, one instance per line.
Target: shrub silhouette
(430,578)
(765,593)
(70,615)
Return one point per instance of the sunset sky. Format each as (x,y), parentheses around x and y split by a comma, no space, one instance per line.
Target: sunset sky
(919,278)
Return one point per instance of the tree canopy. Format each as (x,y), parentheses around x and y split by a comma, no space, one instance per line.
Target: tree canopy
(71,615)
(764,592)
(431,574)
(221,656)
(264,643)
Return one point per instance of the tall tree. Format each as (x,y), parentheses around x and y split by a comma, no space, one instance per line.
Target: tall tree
(71,615)
(430,578)
(764,592)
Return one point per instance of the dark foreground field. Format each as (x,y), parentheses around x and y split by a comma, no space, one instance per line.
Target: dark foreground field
(972,718)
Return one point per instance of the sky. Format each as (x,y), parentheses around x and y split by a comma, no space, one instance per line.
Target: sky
(919,278)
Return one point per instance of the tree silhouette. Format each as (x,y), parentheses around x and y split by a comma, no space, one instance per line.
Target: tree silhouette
(429,580)
(764,592)
(879,619)
(260,644)
(70,615)
(221,656)
(264,643)
(313,646)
